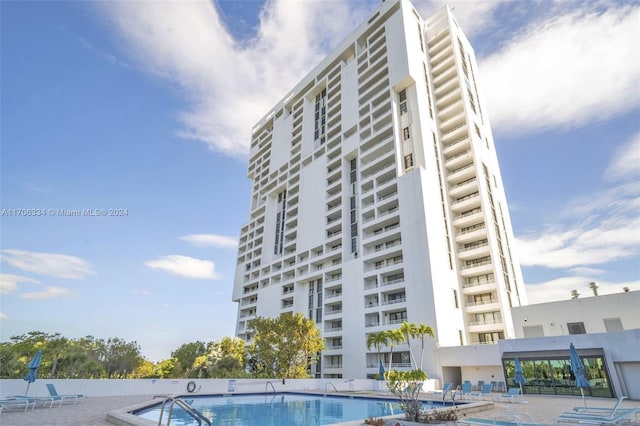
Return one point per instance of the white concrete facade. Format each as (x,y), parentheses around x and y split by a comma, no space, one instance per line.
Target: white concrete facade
(377,198)
(583,315)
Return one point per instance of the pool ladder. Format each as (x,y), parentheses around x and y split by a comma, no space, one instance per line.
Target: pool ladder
(182,404)
(326,386)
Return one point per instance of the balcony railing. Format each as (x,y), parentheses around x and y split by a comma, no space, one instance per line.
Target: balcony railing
(481,302)
(468,285)
(396,300)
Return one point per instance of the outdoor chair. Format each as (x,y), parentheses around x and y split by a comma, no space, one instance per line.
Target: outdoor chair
(445,389)
(41,401)
(463,391)
(602,416)
(16,404)
(600,410)
(511,395)
(68,397)
(484,393)
(518,419)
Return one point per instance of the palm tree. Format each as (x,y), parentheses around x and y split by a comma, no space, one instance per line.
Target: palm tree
(409,330)
(422,331)
(394,338)
(376,340)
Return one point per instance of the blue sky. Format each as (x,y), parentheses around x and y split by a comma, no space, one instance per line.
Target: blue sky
(145,108)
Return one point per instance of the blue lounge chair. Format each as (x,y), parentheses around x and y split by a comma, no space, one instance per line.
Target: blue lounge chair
(600,410)
(485,392)
(41,401)
(464,392)
(62,398)
(511,395)
(615,417)
(16,404)
(496,422)
(445,390)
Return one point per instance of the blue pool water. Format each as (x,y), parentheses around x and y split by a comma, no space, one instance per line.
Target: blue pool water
(278,410)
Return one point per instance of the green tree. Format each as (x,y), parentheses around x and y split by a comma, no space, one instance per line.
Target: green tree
(406,386)
(166,367)
(409,330)
(227,358)
(394,338)
(120,357)
(377,340)
(145,370)
(10,364)
(186,356)
(287,345)
(423,331)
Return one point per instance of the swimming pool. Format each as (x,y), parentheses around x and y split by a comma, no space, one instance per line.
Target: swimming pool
(278,409)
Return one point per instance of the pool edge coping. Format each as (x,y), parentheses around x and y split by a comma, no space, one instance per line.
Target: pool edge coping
(125,417)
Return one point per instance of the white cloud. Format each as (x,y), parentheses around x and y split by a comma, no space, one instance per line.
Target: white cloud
(211,240)
(601,228)
(142,292)
(229,85)
(560,289)
(3,316)
(567,71)
(9,283)
(51,292)
(50,264)
(626,161)
(185,266)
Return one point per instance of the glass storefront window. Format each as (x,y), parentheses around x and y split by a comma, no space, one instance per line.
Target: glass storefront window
(548,374)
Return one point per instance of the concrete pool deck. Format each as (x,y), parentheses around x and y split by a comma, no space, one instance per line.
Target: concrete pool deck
(92,411)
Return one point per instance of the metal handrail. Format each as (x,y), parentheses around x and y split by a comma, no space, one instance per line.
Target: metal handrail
(266,385)
(198,416)
(330,384)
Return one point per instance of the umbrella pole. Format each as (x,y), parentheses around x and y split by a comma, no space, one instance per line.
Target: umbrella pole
(27,391)
(583,400)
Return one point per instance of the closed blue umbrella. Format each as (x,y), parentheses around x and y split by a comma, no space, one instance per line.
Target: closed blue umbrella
(519,379)
(381,371)
(578,371)
(32,375)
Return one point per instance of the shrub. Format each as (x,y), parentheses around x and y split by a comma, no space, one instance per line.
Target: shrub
(440,416)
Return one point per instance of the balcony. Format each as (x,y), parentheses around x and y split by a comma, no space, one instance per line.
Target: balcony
(479,268)
(467,202)
(482,306)
(474,252)
(486,326)
(395,300)
(468,218)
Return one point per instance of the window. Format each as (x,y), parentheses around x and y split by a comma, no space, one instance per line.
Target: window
(576,328)
(490,337)
(281,208)
(408,161)
(405,133)
(320,117)
(455,298)
(353,213)
(612,324)
(403,102)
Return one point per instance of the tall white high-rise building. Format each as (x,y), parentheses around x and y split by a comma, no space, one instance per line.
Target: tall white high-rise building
(377,198)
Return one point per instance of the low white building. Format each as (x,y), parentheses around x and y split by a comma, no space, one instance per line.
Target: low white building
(604,329)
(596,314)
